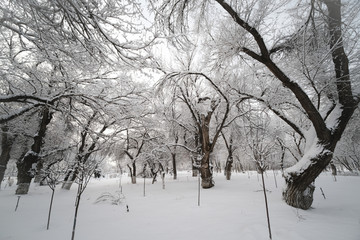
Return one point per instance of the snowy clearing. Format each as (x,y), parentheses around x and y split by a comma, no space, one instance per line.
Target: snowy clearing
(231,210)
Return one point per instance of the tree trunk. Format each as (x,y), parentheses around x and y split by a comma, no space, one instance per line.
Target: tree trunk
(194,165)
(300,178)
(298,195)
(70,178)
(133,176)
(39,177)
(27,165)
(206,172)
(26,172)
(6,145)
(228,167)
(333,169)
(132,173)
(173,155)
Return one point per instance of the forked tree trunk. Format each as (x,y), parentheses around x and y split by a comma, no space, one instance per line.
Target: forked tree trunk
(206,148)
(300,178)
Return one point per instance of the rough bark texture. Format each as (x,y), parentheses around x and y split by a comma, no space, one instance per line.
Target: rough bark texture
(206,172)
(26,168)
(6,145)
(230,159)
(228,167)
(173,157)
(299,190)
(296,197)
(39,177)
(70,178)
(300,185)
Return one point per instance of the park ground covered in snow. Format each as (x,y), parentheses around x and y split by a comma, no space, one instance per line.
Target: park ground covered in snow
(231,210)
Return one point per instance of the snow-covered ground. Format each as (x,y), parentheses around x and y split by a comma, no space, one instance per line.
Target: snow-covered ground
(231,210)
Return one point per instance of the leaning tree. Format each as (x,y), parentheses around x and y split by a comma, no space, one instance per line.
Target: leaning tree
(323,90)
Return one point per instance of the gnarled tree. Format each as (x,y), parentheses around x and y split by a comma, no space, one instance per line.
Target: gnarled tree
(247,35)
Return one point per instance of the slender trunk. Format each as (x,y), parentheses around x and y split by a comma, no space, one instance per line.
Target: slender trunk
(228,166)
(133,178)
(78,198)
(163,179)
(266,203)
(6,145)
(27,165)
(173,156)
(51,202)
(132,175)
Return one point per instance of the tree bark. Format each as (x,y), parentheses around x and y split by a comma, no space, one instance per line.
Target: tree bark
(173,158)
(27,165)
(132,172)
(6,145)
(206,172)
(228,167)
(300,178)
(299,189)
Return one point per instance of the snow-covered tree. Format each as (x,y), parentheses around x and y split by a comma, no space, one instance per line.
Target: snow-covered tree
(253,33)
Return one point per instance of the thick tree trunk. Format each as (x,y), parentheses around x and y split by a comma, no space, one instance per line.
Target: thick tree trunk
(298,195)
(6,145)
(301,177)
(206,172)
(27,165)
(39,177)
